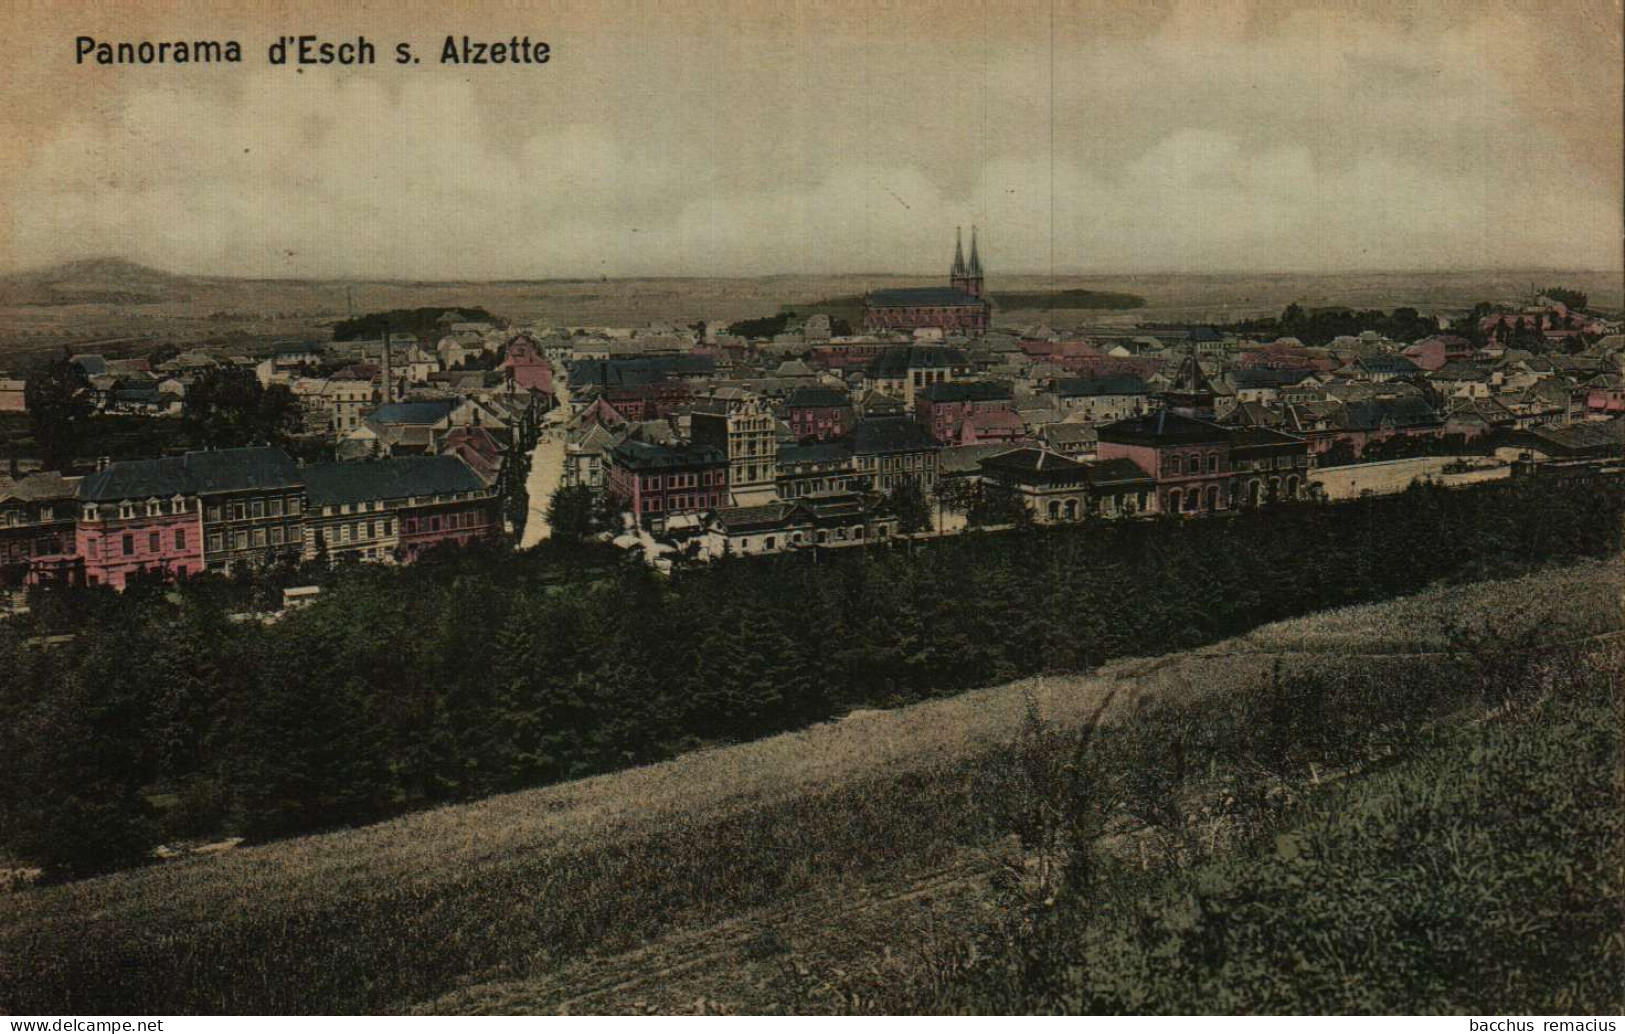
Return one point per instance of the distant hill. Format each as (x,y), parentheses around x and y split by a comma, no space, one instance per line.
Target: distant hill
(97,281)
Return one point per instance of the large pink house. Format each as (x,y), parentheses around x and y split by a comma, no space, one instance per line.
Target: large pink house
(1188,458)
(139,516)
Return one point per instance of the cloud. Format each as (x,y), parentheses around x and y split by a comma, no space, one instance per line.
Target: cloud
(1206,142)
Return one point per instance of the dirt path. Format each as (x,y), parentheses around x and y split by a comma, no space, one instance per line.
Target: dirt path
(547,463)
(769,960)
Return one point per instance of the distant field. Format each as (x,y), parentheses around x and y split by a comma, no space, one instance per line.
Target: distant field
(253,313)
(1350,481)
(742,878)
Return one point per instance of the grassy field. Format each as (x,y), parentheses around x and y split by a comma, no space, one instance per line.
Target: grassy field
(766,876)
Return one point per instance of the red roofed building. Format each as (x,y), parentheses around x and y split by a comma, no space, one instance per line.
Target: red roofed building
(525,367)
(990,427)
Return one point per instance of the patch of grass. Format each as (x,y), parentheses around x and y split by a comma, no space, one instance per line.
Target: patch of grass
(518,886)
(1459,863)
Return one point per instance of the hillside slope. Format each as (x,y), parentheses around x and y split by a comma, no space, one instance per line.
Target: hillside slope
(724,879)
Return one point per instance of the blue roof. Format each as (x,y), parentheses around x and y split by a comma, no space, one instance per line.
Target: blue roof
(1113,384)
(429,412)
(966,391)
(401,477)
(636,455)
(196,473)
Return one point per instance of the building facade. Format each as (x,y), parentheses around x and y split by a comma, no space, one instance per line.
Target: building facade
(36,520)
(1189,459)
(657,482)
(252,505)
(742,427)
(139,517)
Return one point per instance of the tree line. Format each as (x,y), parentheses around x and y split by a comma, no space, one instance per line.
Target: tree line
(483,669)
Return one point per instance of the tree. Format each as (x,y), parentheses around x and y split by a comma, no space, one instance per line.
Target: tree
(571,513)
(59,407)
(227,407)
(1576,301)
(907,503)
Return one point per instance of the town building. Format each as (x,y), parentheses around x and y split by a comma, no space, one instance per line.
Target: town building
(810,468)
(961,307)
(819,413)
(1054,489)
(657,482)
(136,517)
(888,451)
(741,426)
(942,408)
(1270,466)
(828,519)
(36,520)
(1102,399)
(390,510)
(252,505)
(900,371)
(1188,458)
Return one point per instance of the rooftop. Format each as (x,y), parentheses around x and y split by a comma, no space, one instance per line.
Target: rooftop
(335,484)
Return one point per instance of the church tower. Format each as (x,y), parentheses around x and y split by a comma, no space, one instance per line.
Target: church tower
(1191,394)
(966,276)
(960,272)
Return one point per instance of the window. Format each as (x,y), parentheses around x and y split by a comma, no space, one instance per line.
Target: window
(387,524)
(293,504)
(768,542)
(216,542)
(214,513)
(238,512)
(257,508)
(180,538)
(1173,465)
(275,506)
(276,536)
(240,540)
(155,542)
(1212,463)
(126,510)
(259,538)
(129,545)
(296,534)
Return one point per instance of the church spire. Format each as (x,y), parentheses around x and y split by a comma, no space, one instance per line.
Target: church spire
(959,253)
(975,260)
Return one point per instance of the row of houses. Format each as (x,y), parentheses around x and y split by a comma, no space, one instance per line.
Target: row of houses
(181,516)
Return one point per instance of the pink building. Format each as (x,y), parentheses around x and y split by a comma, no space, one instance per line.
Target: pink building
(525,367)
(140,516)
(1188,458)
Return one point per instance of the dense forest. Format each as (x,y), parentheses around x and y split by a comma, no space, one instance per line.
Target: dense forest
(1318,327)
(1071,298)
(483,670)
(422,322)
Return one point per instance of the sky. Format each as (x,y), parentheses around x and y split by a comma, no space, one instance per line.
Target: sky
(742,138)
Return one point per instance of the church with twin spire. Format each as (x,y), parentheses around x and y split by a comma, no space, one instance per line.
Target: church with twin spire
(960,308)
